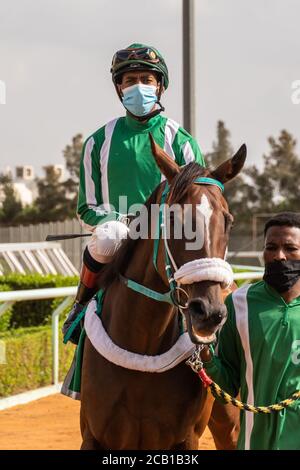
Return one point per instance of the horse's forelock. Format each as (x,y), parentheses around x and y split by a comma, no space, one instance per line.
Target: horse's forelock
(183,181)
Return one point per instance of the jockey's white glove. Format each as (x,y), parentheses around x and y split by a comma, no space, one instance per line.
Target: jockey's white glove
(106,240)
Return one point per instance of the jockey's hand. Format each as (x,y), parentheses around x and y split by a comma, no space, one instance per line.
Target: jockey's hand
(106,239)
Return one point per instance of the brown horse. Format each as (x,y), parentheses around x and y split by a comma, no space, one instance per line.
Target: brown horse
(123,408)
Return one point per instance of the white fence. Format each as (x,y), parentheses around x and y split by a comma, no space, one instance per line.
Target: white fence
(246,255)
(7,299)
(37,233)
(74,247)
(42,258)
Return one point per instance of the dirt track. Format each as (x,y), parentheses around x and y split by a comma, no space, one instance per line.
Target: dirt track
(50,423)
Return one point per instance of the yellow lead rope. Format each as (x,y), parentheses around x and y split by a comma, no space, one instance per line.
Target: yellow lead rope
(197,365)
(220,394)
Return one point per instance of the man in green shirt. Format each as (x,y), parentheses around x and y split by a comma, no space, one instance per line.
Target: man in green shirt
(259,345)
(117,168)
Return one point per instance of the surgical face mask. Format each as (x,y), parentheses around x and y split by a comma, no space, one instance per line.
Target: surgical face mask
(139,99)
(282,275)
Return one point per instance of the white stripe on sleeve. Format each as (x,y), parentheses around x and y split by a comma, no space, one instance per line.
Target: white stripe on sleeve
(89,183)
(239,298)
(188,153)
(104,155)
(171,130)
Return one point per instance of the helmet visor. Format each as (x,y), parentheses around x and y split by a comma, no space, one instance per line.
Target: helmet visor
(144,53)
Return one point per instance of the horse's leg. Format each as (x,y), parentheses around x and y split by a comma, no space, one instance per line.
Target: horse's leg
(192,439)
(194,433)
(89,443)
(88,440)
(191,443)
(224,424)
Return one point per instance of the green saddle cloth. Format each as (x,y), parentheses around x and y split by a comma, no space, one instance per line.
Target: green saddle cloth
(72,384)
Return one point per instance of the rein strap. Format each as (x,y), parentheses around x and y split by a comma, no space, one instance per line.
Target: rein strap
(146,291)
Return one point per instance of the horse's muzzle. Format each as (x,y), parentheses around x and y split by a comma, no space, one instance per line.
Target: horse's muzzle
(204,319)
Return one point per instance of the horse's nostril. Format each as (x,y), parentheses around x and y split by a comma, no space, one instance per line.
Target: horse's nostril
(217,318)
(198,307)
(202,310)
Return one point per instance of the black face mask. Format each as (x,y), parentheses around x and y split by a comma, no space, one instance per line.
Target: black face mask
(282,275)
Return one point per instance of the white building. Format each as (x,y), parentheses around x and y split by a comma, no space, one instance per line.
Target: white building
(24,182)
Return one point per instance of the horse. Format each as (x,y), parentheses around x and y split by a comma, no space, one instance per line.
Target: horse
(168,408)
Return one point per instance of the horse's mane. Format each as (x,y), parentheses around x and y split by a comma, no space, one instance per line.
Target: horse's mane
(178,189)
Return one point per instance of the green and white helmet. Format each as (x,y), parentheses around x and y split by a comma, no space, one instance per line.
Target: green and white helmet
(139,57)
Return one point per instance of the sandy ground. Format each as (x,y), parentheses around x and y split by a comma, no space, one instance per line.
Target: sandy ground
(50,423)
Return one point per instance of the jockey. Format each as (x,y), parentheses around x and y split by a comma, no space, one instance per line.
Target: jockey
(117,169)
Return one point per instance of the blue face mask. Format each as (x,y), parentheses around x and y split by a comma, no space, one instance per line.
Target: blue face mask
(139,99)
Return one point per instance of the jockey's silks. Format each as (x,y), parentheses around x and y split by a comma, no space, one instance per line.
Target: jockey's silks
(118,169)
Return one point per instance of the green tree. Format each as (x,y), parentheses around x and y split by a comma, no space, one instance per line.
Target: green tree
(52,202)
(282,167)
(11,206)
(273,189)
(221,148)
(29,215)
(239,194)
(72,155)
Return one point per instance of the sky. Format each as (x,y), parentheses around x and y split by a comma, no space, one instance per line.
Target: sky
(55,58)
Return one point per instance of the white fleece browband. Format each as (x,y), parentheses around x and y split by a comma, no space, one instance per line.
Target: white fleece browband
(205,269)
(96,333)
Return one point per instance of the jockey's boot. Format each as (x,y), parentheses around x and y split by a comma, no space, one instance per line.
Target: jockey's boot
(87,287)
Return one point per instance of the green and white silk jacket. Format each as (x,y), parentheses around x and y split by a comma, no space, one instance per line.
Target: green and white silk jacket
(118,169)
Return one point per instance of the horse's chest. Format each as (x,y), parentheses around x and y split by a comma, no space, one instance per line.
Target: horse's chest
(145,427)
(155,412)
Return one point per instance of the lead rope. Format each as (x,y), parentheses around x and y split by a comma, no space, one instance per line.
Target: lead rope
(196,364)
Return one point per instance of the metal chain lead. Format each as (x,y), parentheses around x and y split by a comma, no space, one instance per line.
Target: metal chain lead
(195,361)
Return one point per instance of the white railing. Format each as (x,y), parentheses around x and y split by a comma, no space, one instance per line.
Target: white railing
(37,257)
(258,255)
(7,299)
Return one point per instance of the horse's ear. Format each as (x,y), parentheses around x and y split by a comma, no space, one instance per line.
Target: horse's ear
(167,166)
(229,169)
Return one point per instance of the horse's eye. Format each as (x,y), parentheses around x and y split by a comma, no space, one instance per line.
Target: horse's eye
(228,222)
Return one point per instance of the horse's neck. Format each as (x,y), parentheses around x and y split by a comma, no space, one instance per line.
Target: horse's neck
(133,321)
